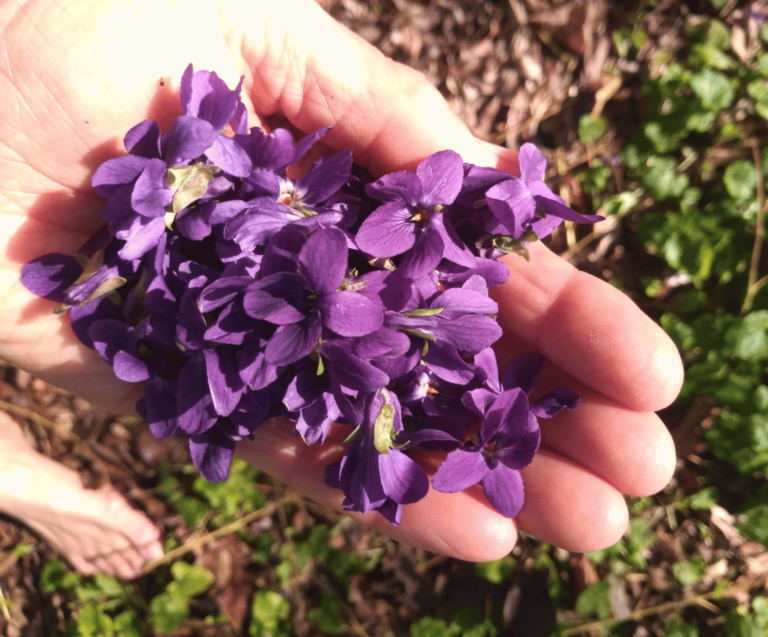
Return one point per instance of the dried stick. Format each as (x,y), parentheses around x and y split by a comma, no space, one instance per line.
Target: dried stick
(223,531)
(640,614)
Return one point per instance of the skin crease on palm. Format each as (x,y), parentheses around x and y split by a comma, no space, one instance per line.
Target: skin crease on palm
(76,75)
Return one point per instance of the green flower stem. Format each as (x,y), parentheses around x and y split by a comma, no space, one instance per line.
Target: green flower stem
(754,285)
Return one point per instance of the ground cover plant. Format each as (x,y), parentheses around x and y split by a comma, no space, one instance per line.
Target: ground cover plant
(652,114)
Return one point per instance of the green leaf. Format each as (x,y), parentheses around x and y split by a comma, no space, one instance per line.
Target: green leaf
(319,537)
(423,312)
(383,429)
(269,610)
(704,499)
(664,133)
(762,64)
(662,178)
(700,120)
(23,549)
(678,628)
(751,338)
(470,621)
(595,600)
(128,624)
(623,202)
(167,612)
(433,627)
(510,245)
(622,42)
(713,88)
(758,90)
(57,577)
(760,606)
(740,180)
(190,183)
(326,617)
(591,128)
(761,108)
(754,525)
(738,625)
(711,32)
(704,55)
(110,285)
(93,622)
(192,580)
(109,585)
(497,571)
(690,572)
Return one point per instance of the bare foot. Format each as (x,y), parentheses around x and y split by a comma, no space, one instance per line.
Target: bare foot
(97,531)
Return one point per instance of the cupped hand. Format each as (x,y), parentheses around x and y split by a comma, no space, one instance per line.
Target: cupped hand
(77,75)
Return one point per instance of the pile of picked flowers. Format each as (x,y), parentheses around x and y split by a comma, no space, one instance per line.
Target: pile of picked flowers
(237,293)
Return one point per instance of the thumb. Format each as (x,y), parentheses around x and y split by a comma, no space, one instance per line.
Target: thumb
(315,72)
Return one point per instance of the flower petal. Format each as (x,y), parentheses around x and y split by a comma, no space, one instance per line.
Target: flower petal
(402,478)
(522,372)
(212,454)
(554,205)
(440,175)
(144,140)
(226,154)
(51,275)
(424,255)
(117,172)
(403,187)
(224,380)
(205,95)
(511,202)
(323,260)
(555,401)
(461,469)
(532,163)
(188,138)
(504,489)
(350,314)
(325,178)
(388,231)
(150,195)
(519,453)
(292,342)
(159,408)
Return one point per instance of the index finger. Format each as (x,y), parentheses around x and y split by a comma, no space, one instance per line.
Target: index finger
(589,329)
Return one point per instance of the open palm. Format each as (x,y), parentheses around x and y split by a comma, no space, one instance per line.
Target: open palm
(77,75)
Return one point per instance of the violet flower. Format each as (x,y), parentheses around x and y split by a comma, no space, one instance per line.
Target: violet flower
(411,222)
(508,439)
(303,303)
(516,201)
(374,474)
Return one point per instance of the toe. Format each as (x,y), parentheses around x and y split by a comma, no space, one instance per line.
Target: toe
(82,566)
(125,567)
(103,566)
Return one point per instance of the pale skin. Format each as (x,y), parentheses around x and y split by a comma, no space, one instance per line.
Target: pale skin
(75,76)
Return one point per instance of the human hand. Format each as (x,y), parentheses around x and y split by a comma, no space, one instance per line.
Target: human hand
(80,74)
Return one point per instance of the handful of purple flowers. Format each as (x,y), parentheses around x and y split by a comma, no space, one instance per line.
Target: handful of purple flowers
(238,294)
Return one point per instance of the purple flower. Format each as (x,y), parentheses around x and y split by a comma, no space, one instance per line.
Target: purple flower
(303,303)
(456,317)
(515,202)
(206,97)
(374,474)
(523,373)
(508,439)
(411,222)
